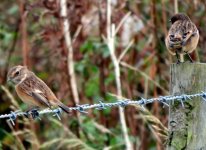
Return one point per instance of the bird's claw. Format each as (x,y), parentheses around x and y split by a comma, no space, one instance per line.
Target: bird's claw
(26,114)
(190,58)
(178,61)
(34,113)
(191,61)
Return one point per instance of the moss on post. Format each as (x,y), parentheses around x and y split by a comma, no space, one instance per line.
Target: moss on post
(187,125)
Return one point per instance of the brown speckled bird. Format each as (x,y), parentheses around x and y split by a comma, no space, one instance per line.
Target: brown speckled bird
(32,90)
(183,36)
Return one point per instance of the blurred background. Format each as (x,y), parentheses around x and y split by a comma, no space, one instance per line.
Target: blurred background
(31,34)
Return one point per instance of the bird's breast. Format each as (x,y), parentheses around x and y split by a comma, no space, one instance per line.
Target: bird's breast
(25,97)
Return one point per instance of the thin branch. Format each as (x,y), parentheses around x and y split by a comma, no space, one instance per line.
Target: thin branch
(70,61)
(111,45)
(24,39)
(164,17)
(13,45)
(77,33)
(10,96)
(125,50)
(176,6)
(17,139)
(146,60)
(144,75)
(122,21)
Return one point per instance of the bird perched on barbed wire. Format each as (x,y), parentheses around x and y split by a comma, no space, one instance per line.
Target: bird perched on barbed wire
(183,36)
(32,90)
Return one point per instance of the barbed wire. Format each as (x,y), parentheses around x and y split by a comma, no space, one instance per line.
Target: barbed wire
(101,105)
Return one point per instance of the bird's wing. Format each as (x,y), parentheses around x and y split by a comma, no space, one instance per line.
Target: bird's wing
(37,95)
(33,88)
(63,107)
(189,36)
(192,31)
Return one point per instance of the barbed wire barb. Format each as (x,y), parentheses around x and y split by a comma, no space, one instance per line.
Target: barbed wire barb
(204,96)
(57,113)
(101,106)
(163,101)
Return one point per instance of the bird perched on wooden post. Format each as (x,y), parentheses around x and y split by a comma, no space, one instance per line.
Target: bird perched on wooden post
(183,36)
(32,90)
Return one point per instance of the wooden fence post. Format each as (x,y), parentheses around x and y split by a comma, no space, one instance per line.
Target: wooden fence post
(187,125)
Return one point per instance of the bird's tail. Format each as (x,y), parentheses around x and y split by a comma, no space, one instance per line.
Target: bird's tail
(64,107)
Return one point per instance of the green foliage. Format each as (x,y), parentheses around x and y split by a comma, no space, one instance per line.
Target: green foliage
(92,87)
(43,75)
(8,139)
(68,140)
(95,46)
(1,146)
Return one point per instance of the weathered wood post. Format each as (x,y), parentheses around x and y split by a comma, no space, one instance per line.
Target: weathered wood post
(187,125)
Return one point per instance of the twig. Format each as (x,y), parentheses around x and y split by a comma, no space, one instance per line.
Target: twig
(10,96)
(77,33)
(23,28)
(144,75)
(176,6)
(125,50)
(122,21)
(13,45)
(70,61)
(164,18)
(110,42)
(17,138)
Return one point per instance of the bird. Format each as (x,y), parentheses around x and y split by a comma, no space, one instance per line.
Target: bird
(32,90)
(183,36)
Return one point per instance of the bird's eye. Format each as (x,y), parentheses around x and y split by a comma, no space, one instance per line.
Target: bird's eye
(171,36)
(17,73)
(184,35)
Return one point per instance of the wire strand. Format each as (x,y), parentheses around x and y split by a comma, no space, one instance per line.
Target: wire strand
(101,105)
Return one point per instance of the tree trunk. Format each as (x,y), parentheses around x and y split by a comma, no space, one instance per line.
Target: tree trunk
(187,122)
